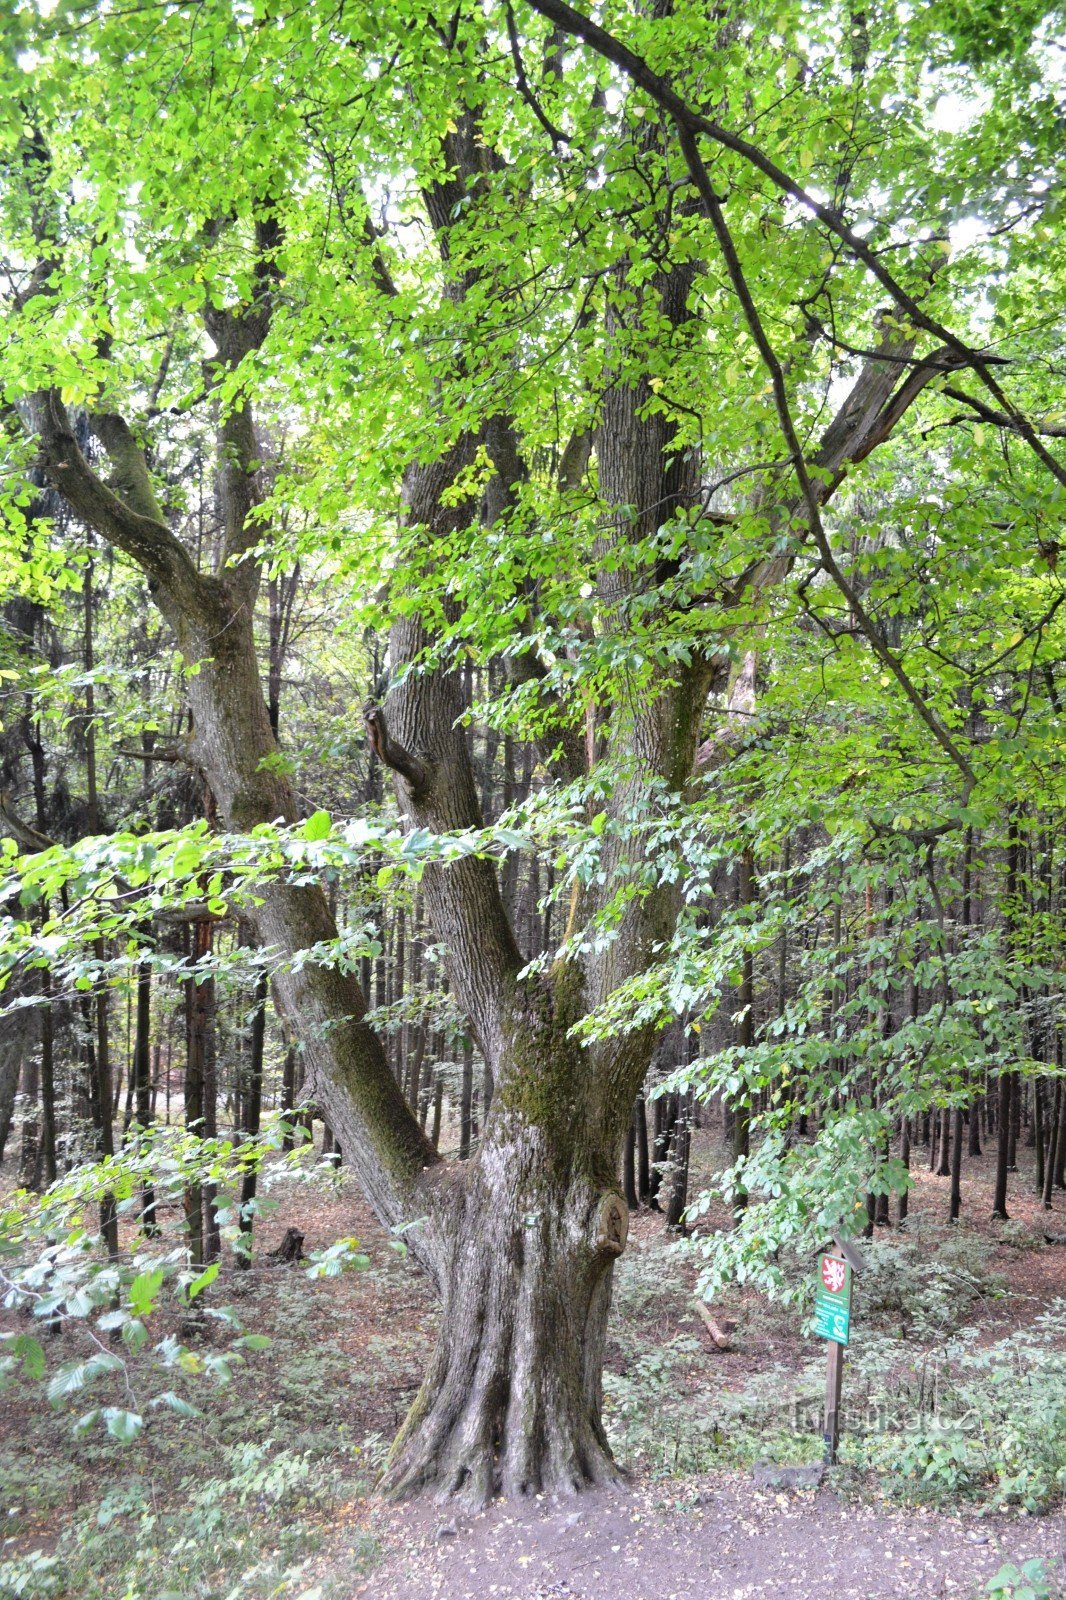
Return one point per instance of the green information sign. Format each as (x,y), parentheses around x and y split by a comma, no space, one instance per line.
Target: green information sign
(832,1303)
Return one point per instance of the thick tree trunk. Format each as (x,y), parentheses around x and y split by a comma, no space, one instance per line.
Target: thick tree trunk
(511,1403)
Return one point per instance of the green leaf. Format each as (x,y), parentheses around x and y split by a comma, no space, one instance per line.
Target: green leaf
(254,1341)
(29,1350)
(318,826)
(174,1402)
(122,1425)
(76,1375)
(206,1278)
(143,1290)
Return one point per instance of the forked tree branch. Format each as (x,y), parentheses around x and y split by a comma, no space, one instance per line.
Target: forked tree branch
(690,123)
(881,650)
(132,528)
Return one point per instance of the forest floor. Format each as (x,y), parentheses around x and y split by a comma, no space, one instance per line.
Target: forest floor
(270,1492)
(714,1537)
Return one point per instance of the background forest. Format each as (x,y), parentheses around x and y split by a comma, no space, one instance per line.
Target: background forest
(531,651)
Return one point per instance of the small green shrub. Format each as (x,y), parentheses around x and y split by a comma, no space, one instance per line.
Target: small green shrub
(31,1577)
(1019,1237)
(924,1286)
(993,1423)
(1028,1582)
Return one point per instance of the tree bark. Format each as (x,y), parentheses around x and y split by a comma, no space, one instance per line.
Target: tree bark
(1056,1141)
(253,1111)
(745,1033)
(46,1162)
(955,1204)
(512,1400)
(141,1076)
(1003,1121)
(629,1166)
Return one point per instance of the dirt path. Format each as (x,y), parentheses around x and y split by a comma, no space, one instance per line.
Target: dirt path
(708,1539)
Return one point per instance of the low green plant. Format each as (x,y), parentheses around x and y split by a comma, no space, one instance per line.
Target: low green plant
(1030,1581)
(659,1418)
(57,1271)
(1019,1236)
(35,1576)
(924,1285)
(247,1530)
(987,1421)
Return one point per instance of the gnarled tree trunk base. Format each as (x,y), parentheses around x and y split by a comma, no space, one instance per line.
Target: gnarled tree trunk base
(511,1404)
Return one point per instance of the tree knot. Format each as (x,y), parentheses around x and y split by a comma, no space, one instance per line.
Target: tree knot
(610,1227)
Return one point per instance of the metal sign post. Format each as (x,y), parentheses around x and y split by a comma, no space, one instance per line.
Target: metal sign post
(832,1321)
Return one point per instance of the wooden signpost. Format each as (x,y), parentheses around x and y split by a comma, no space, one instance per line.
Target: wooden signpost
(832,1321)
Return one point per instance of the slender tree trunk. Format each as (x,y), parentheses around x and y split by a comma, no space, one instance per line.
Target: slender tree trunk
(677,1195)
(466,1101)
(745,1030)
(1055,1144)
(1003,1119)
(288,1091)
(10,1069)
(196,1034)
(438,1107)
(643,1175)
(974,1142)
(141,1075)
(253,1112)
(47,1154)
(955,1206)
(1038,1135)
(30,1145)
(414,1086)
(629,1173)
(209,1106)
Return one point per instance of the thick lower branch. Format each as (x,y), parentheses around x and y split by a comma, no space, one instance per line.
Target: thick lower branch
(388,750)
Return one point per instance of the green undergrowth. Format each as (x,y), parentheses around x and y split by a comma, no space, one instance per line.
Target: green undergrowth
(932,1413)
(246,1529)
(1031,1581)
(234,1496)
